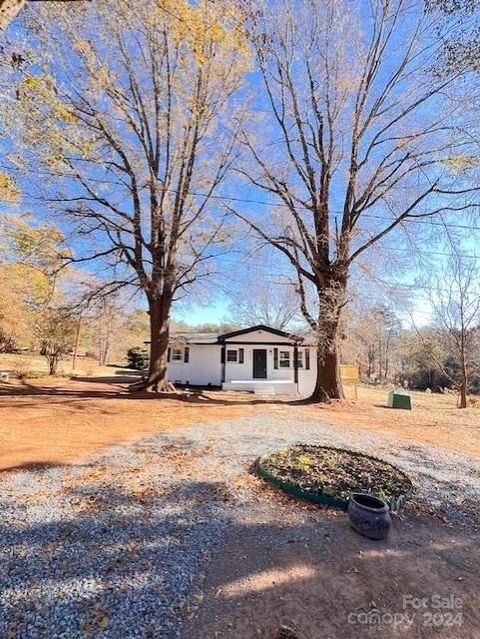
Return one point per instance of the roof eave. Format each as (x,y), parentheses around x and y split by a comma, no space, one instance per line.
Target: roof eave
(260,327)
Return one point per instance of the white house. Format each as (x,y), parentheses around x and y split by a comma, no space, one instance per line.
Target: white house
(259,359)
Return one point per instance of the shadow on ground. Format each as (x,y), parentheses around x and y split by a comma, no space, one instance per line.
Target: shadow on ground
(274,564)
(117,386)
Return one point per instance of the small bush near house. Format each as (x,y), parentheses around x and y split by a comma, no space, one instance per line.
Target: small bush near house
(137,358)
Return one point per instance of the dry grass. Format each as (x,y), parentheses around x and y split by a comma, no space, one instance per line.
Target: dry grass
(434,419)
(37,365)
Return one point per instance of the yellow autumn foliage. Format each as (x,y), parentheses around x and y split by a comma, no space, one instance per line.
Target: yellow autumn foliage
(203,37)
(29,257)
(458,163)
(9,192)
(206,25)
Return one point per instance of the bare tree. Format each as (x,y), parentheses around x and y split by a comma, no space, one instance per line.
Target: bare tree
(371,334)
(136,130)
(260,295)
(455,300)
(55,332)
(264,303)
(359,137)
(105,321)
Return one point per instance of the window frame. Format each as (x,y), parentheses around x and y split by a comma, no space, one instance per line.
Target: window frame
(177,350)
(234,351)
(282,359)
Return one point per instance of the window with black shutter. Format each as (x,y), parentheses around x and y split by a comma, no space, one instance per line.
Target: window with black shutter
(241,355)
(284,359)
(169,353)
(186,355)
(275,358)
(307,359)
(177,354)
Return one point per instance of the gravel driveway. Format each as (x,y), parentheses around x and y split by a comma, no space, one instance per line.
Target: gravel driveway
(117,547)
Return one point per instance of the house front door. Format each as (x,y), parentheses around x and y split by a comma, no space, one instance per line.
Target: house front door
(259,363)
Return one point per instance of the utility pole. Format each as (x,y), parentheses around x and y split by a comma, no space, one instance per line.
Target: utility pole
(77,342)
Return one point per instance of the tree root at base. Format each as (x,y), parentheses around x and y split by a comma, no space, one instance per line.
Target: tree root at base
(156,386)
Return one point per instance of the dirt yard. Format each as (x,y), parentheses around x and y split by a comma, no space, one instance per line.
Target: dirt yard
(292,571)
(60,421)
(57,421)
(174,521)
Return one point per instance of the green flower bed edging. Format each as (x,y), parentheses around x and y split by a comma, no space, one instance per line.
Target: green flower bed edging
(328,500)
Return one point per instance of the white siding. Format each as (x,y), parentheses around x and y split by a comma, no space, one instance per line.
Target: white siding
(239,372)
(306,379)
(203,367)
(236,371)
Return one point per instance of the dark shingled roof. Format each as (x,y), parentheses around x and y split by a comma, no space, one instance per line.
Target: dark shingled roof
(194,338)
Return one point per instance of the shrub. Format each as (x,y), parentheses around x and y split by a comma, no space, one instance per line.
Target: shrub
(34,375)
(22,370)
(137,358)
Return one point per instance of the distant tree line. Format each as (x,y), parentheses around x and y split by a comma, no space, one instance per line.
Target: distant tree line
(418,359)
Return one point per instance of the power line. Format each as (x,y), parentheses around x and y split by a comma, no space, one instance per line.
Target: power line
(469,256)
(365,215)
(274,277)
(438,253)
(410,220)
(336,212)
(390,287)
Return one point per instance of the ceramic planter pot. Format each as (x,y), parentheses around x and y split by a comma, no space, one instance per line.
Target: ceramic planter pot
(369,516)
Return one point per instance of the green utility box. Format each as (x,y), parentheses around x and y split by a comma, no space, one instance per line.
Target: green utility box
(399,399)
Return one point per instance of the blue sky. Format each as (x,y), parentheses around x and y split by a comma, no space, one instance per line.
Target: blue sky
(215,309)
(215,312)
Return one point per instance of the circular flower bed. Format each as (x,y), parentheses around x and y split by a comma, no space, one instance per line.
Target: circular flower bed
(330,475)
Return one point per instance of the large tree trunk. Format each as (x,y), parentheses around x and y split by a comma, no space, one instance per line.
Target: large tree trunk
(328,384)
(331,298)
(157,378)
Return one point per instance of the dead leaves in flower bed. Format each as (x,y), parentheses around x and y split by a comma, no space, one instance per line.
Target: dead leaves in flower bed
(336,473)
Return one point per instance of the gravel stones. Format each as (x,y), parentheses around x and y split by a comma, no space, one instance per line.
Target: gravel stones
(117,547)
(113,551)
